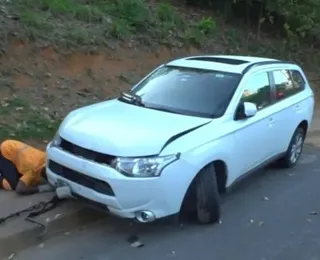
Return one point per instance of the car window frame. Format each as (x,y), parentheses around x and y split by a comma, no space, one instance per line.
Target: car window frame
(269,74)
(274,87)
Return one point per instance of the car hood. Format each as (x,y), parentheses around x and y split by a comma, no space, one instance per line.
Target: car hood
(120,129)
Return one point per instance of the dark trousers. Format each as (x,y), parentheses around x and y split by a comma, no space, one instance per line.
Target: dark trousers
(8,172)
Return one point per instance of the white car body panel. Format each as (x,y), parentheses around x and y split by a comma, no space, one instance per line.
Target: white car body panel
(124,130)
(128,126)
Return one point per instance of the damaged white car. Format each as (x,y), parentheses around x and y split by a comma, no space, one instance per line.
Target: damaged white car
(182,136)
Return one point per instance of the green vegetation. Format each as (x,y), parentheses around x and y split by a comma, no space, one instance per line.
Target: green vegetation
(79,22)
(32,123)
(298,19)
(95,22)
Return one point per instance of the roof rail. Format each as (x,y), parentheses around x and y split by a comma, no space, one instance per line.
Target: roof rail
(261,63)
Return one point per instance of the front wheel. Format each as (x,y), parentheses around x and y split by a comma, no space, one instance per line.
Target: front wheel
(292,156)
(207,196)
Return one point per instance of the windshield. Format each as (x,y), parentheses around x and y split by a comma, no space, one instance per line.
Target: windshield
(188,91)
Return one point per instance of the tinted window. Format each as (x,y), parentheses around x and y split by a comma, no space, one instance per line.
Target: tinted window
(287,83)
(258,90)
(297,79)
(188,91)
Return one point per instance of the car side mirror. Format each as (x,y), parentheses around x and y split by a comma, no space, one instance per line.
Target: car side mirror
(246,110)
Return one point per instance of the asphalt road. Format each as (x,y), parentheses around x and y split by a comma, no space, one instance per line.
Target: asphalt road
(271,215)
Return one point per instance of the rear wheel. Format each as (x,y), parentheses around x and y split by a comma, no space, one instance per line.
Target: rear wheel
(294,151)
(207,208)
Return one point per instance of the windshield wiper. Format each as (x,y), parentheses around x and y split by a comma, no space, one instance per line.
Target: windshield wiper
(163,109)
(132,98)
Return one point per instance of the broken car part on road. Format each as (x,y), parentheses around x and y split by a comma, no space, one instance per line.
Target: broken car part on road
(34,211)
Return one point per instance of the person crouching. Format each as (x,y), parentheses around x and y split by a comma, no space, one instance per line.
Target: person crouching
(22,168)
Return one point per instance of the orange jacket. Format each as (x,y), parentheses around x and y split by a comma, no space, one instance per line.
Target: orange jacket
(28,160)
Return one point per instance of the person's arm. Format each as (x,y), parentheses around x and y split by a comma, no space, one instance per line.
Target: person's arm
(25,187)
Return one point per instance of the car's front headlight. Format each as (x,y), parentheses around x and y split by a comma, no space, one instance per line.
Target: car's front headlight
(56,141)
(143,167)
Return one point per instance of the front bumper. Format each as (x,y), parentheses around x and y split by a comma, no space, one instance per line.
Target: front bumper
(123,196)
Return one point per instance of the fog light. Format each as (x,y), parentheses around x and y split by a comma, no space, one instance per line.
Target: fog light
(145,216)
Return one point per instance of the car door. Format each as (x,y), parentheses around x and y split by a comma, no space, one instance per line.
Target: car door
(253,136)
(288,109)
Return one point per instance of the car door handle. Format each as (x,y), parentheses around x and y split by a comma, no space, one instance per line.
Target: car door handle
(297,107)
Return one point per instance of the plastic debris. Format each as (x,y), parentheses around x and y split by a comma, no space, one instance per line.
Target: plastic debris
(134,241)
(313,213)
(11,256)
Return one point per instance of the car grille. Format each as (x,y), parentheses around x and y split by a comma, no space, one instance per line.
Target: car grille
(86,153)
(81,179)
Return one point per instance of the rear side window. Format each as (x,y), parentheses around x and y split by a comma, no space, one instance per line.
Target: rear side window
(297,79)
(287,83)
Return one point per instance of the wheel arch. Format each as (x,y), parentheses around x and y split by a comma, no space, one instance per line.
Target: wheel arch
(304,125)
(221,171)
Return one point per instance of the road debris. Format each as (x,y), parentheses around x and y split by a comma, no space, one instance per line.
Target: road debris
(11,257)
(265,198)
(134,241)
(313,213)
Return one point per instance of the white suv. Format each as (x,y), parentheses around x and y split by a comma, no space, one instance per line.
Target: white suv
(183,135)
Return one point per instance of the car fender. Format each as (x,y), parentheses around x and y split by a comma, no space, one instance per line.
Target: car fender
(204,145)
(217,150)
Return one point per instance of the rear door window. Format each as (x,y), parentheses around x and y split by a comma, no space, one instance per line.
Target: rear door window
(287,83)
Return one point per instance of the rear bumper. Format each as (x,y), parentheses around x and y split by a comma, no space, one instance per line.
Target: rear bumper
(162,195)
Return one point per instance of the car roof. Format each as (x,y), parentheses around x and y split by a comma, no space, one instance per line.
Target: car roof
(227,63)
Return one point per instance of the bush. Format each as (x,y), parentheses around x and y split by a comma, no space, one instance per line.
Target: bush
(299,19)
(135,12)
(207,26)
(167,14)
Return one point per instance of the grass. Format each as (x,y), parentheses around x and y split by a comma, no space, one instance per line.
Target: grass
(76,22)
(32,123)
(73,23)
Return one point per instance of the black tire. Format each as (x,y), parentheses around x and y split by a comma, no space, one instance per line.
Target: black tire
(207,196)
(285,161)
